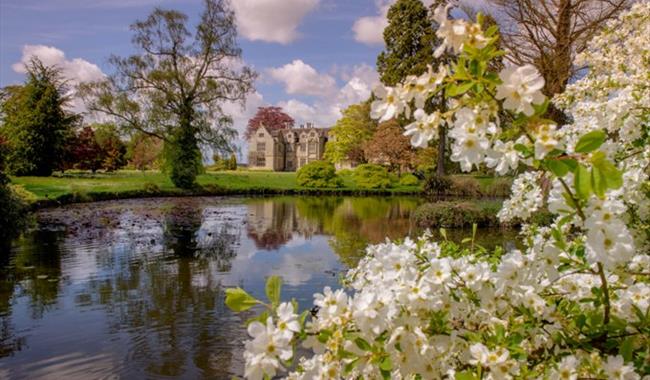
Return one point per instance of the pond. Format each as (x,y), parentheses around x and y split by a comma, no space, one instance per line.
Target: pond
(135,289)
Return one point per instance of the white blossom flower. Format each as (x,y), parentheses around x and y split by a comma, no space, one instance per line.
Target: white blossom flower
(287,320)
(521,88)
(503,157)
(388,105)
(546,139)
(262,353)
(616,369)
(424,128)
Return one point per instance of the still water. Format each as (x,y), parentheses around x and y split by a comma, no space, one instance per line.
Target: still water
(135,289)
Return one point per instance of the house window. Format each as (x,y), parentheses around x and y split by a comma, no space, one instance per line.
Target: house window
(302,162)
(261,161)
(261,135)
(261,147)
(302,147)
(312,147)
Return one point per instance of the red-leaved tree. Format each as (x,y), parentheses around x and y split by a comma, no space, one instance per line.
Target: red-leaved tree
(85,152)
(273,118)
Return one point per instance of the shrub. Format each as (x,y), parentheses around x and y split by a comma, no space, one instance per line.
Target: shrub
(500,187)
(345,173)
(465,187)
(435,185)
(409,180)
(13,213)
(318,174)
(150,188)
(372,176)
(454,215)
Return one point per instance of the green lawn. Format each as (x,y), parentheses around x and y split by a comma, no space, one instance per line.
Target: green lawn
(125,182)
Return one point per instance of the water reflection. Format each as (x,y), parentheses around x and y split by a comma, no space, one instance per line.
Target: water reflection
(135,289)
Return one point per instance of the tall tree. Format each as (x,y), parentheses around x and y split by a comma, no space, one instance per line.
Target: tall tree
(350,133)
(35,123)
(389,146)
(144,151)
(86,154)
(549,34)
(410,42)
(174,87)
(112,146)
(273,118)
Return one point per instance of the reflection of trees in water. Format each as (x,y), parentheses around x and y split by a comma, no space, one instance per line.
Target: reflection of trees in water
(352,222)
(187,233)
(271,222)
(33,270)
(172,310)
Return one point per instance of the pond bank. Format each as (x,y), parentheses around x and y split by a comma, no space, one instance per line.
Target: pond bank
(70,188)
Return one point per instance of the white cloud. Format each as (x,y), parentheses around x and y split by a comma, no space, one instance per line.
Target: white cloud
(369,30)
(271,20)
(300,78)
(325,111)
(75,71)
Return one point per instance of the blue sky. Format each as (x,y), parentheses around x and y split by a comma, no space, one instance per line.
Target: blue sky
(314,57)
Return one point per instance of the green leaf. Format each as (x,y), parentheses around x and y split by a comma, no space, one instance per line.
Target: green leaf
(591,141)
(460,89)
(362,344)
(598,183)
(386,364)
(612,177)
(571,163)
(557,167)
(273,289)
(626,350)
(238,300)
(466,375)
(582,182)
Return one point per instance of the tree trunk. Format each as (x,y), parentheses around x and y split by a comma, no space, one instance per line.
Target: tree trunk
(562,61)
(442,135)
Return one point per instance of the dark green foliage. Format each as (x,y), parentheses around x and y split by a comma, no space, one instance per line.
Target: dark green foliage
(13,210)
(232,162)
(455,215)
(372,176)
(410,42)
(409,180)
(35,124)
(318,174)
(184,158)
(435,185)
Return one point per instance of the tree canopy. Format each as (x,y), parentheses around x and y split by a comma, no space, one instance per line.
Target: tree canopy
(273,118)
(35,123)
(349,134)
(410,42)
(175,85)
(389,146)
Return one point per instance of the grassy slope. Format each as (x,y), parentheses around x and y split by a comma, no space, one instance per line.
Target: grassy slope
(133,181)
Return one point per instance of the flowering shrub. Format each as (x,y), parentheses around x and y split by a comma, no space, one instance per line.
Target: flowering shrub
(575,303)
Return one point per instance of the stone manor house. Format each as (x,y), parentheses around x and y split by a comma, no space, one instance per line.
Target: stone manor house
(286,149)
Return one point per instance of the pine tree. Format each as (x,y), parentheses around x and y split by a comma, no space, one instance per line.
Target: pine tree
(35,123)
(410,42)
